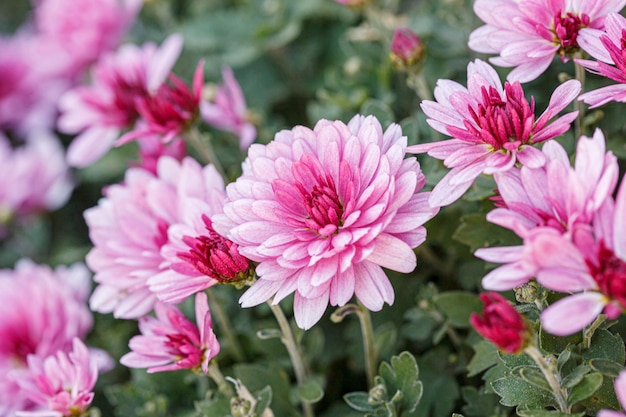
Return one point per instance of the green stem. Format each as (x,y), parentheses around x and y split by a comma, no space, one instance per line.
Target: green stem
(591,329)
(202,144)
(290,343)
(579,105)
(369,348)
(216,375)
(225,326)
(418,83)
(552,376)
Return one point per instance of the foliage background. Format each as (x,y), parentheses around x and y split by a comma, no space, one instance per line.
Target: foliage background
(297,62)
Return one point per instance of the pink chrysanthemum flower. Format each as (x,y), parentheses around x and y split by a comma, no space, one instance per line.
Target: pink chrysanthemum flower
(227,111)
(528,34)
(100,112)
(42,310)
(492,128)
(61,384)
(592,266)
(556,196)
(85,28)
(323,211)
(196,256)
(152,148)
(620,391)
(129,227)
(171,342)
(609,48)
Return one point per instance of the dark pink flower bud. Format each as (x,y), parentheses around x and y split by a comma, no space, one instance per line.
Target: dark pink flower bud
(407,49)
(501,323)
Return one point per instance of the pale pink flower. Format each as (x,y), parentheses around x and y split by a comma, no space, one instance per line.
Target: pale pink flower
(323,211)
(609,48)
(227,111)
(130,226)
(528,34)
(555,196)
(85,29)
(99,113)
(41,311)
(171,342)
(33,176)
(197,257)
(620,391)
(61,384)
(592,266)
(492,128)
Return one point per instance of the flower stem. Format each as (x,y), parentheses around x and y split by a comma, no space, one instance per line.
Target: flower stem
(552,376)
(289,341)
(225,326)
(579,105)
(202,144)
(418,83)
(591,329)
(369,349)
(216,375)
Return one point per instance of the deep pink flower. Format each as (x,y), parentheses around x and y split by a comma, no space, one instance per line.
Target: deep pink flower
(528,34)
(171,342)
(620,391)
(33,176)
(556,196)
(61,384)
(592,266)
(41,311)
(323,211)
(152,148)
(85,29)
(130,226)
(227,111)
(492,128)
(99,113)
(609,48)
(407,49)
(500,323)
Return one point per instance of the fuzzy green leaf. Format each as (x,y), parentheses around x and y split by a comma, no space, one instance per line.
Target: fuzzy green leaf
(514,391)
(458,306)
(311,391)
(606,367)
(485,356)
(585,388)
(359,401)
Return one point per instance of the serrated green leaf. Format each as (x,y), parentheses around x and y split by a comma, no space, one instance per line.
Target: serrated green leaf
(585,388)
(476,232)
(457,306)
(311,391)
(533,376)
(485,356)
(513,361)
(575,376)
(514,391)
(606,367)
(359,401)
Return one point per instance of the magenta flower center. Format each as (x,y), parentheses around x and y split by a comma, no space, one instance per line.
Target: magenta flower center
(171,109)
(566,28)
(502,124)
(610,274)
(185,352)
(215,256)
(322,206)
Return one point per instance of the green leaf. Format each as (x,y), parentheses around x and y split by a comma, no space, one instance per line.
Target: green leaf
(457,306)
(585,388)
(606,367)
(403,376)
(574,377)
(264,399)
(603,398)
(132,400)
(514,391)
(479,403)
(476,232)
(557,344)
(257,377)
(311,391)
(607,345)
(485,356)
(533,376)
(214,407)
(359,401)
(546,413)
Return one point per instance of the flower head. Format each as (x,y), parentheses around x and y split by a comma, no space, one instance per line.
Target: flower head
(620,390)
(61,384)
(407,49)
(171,342)
(100,112)
(609,48)
(527,35)
(323,210)
(492,126)
(227,111)
(501,323)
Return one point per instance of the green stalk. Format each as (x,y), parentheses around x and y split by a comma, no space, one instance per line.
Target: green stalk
(579,105)
(216,375)
(369,348)
(552,376)
(225,326)
(202,144)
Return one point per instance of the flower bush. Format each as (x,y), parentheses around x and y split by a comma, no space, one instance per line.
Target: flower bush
(330,208)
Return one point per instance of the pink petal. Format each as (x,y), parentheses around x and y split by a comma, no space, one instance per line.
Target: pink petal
(572,313)
(308,311)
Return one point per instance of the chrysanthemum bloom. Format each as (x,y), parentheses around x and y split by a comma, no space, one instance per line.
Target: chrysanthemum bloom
(501,323)
(171,342)
(407,49)
(61,384)
(592,267)
(99,113)
(169,111)
(492,128)
(323,211)
(85,28)
(620,391)
(196,256)
(609,48)
(227,110)
(556,196)
(41,311)
(528,34)
(33,176)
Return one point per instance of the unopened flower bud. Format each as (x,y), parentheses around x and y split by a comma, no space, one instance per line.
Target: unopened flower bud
(501,324)
(530,292)
(353,3)
(240,407)
(407,50)
(377,394)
